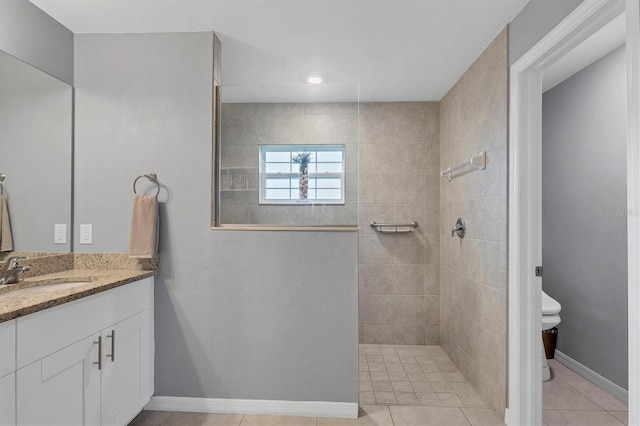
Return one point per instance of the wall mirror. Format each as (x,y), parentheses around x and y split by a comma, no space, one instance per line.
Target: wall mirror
(288,156)
(36,134)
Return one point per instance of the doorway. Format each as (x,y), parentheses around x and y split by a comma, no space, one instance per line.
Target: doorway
(525,200)
(584,232)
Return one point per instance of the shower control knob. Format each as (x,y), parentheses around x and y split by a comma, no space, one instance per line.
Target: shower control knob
(459,228)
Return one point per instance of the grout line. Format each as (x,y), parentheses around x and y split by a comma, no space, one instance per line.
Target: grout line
(391,415)
(465,415)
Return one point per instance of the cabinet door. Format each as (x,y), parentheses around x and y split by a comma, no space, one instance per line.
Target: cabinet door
(8,400)
(92,369)
(120,384)
(51,391)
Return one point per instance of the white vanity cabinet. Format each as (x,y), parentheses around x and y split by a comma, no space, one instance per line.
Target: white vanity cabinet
(89,361)
(7,373)
(8,400)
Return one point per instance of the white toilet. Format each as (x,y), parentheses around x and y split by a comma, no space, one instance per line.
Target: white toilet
(550,318)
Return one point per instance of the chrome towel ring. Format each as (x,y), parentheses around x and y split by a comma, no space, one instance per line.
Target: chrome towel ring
(151,177)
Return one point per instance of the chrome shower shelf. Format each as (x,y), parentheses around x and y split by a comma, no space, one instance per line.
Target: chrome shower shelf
(394,228)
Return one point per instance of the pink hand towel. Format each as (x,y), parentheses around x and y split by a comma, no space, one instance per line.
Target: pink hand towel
(143,241)
(6,239)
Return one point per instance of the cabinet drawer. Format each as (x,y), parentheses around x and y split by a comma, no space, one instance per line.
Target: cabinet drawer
(7,347)
(50,330)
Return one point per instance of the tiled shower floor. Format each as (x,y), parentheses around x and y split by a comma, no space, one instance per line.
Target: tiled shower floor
(413,376)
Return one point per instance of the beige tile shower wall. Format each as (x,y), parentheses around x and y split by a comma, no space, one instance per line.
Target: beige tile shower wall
(399,300)
(473,118)
(244,127)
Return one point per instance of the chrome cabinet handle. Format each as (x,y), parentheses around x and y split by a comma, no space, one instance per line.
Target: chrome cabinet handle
(112,336)
(99,343)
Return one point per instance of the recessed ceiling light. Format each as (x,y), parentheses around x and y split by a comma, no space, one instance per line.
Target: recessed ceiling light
(314,79)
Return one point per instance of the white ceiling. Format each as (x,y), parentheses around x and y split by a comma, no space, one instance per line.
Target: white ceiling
(397,50)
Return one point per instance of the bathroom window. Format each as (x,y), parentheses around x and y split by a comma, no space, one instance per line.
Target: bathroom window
(302,174)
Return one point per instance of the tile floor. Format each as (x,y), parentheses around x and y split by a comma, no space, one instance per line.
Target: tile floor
(399,386)
(419,385)
(370,415)
(568,399)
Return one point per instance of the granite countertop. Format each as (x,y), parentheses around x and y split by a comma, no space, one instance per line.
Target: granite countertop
(17,305)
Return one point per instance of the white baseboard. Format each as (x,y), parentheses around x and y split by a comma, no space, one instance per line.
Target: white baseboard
(507,419)
(254,406)
(595,378)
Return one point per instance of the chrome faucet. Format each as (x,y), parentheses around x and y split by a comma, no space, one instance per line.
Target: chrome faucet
(11,272)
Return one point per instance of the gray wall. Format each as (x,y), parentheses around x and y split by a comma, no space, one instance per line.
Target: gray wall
(473,277)
(31,35)
(584,226)
(239,314)
(535,20)
(35,153)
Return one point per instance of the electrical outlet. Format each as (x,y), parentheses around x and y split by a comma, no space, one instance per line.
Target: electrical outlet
(60,230)
(86,234)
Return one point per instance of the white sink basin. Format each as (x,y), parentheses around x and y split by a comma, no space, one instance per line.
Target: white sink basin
(47,288)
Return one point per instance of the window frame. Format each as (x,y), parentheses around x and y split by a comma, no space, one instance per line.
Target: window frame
(263,176)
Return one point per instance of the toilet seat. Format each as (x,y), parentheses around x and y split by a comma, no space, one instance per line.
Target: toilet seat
(550,318)
(550,306)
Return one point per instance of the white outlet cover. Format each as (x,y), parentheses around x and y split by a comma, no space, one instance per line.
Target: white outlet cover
(86,234)
(60,233)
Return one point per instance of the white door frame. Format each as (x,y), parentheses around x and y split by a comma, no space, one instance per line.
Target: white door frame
(525,201)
